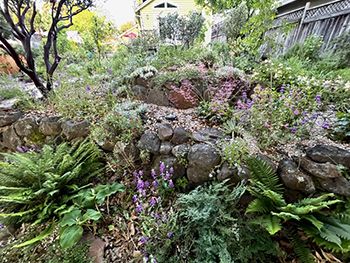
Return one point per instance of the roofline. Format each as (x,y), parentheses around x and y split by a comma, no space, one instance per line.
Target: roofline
(285,2)
(138,8)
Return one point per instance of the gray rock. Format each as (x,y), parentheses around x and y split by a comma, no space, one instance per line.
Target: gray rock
(150,142)
(202,159)
(139,92)
(7,118)
(171,117)
(181,151)
(73,130)
(170,161)
(126,152)
(207,135)
(328,153)
(293,178)
(9,104)
(165,148)
(165,132)
(96,248)
(158,97)
(10,139)
(321,170)
(50,126)
(339,185)
(26,127)
(269,161)
(227,172)
(180,136)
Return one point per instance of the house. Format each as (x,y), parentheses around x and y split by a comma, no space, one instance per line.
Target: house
(148,11)
(286,6)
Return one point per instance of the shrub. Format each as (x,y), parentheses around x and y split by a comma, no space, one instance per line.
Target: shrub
(235,151)
(123,123)
(341,130)
(235,20)
(183,29)
(46,188)
(209,229)
(184,73)
(308,50)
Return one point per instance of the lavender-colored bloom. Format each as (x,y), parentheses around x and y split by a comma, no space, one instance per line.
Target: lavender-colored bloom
(1,226)
(304,121)
(162,168)
(282,89)
(170,234)
(167,175)
(147,184)
(153,174)
(296,112)
(293,130)
(325,125)
(171,170)
(140,184)
(244,95)
(153,201)
(155,183)
(140,173)
(88,88)
(134,198)
(143,240)
(139,209)
(314,116)
(171,184)
(318,98)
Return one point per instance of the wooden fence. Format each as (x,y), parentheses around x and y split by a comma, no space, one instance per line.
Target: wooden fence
(328,21)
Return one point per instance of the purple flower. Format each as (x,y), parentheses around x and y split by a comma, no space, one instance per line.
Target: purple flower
(325,125)
(314,116)
(134,199)
(171,170)
(296,112)
(170,234)
(88,88)
(171,184)
(244,95)
(153,201)
(167,175)
(293,130)
(139,209)
(147,184)
(162,168)
(140,173)
(155,183)
(318,98)
(143,240)
(153,174)
(140,184)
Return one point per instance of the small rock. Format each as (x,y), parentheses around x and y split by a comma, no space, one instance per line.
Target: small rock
(227,172)
(165,132)
(180,136)
(328,153)
(96,250)
(207,135)
(9,104)
(73,130)
(170,161)
(139,92)
(158,97)
(126,152)
(293,178)
(181,151)
(322,170)
(165,148)
(50,126)
(7,118)
(26,127)
(150,142)
(171,117)
(202,159)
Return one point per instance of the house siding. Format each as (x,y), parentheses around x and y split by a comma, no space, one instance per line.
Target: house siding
(148,15)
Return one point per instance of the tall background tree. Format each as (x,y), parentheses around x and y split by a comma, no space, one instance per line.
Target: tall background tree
(19,17)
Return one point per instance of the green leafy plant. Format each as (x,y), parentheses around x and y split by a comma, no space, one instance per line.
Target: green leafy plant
(235,151)
(341,130)
(208,228)
(309,214)
(45,187)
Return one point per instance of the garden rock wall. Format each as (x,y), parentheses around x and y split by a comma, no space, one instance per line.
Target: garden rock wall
(194,155)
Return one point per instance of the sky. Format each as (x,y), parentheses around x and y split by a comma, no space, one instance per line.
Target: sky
(118,11)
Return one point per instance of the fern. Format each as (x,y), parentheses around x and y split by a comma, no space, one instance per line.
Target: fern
(301,250)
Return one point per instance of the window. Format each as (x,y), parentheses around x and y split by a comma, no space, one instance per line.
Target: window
(171,5)
(162,5)
(165,5)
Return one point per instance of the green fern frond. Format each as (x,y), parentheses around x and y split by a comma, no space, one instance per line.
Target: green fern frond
(301,250)
(262,172)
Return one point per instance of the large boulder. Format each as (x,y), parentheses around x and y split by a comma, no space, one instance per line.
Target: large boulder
(321,170)
(7,118)
(339,185)
(10,139)
(165,132)
(26,127)
(150,142)
(293,178)
(207,135)
(50,126)
(181,151)
(328,153)
(74,130)
(202,159)
(180,136)
(158,97)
